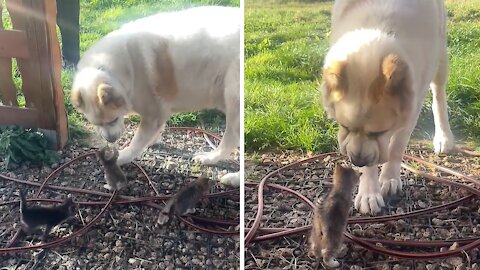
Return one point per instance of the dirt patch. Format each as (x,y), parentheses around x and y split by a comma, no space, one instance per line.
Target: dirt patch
(127,237)
(312,180)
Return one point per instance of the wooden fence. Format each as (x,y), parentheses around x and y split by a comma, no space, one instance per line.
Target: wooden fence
(34,44)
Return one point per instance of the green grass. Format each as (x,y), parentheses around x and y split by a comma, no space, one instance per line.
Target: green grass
(285,43)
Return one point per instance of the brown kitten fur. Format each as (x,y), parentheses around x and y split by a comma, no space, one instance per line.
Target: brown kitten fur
(330,218)
(114,176)
(185,200)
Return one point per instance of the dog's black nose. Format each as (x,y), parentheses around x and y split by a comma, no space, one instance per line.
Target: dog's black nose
(110,139)
(359,161)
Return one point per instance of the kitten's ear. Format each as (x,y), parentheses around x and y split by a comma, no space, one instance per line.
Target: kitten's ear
(339,171)
(338,168)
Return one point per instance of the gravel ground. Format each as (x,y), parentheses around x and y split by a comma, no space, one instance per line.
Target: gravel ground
(283,210)
(127,237)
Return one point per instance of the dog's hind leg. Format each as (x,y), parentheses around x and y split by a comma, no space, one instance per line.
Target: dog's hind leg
(443,140)
(231,138)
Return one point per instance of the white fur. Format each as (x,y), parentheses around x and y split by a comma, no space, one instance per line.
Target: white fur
(330,262)
(364,31)
(203,45)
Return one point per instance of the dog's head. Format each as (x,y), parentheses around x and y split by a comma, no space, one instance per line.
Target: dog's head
(370,99)
(100,99)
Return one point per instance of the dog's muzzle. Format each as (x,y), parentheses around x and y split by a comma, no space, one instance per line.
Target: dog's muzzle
(360,161)
(110,138)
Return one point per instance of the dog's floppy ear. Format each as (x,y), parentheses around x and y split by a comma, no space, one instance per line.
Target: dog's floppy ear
(395,72)
(106,96)
(393,78)
(76,98)
(335,80)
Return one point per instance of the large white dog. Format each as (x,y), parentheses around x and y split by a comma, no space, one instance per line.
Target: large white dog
(383,56)
(163,64)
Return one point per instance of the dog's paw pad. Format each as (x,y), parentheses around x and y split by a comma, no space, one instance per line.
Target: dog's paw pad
(391,186)
(367,203)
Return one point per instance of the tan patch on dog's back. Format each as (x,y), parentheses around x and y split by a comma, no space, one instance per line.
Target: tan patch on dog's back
(152,64)
(164,79)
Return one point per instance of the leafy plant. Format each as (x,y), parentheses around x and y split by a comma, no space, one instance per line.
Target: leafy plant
(18,145)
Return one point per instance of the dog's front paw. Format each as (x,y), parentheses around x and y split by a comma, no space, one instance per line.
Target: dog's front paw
(209,158)
(231,179)
(124,157)
(369,198)
(443,142)
(367,203)
(390,186)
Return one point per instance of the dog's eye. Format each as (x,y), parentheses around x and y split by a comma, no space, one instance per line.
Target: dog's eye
(376,134)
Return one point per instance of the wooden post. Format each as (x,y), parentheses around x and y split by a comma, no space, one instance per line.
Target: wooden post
(61,122)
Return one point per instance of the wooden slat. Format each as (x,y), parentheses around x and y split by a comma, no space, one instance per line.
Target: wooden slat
(44,91)
(56,66)
(13,43)
(7,88)
(24,117)
(27,68)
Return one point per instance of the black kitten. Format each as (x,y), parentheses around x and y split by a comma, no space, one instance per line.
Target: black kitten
(185,200)
(36,216)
